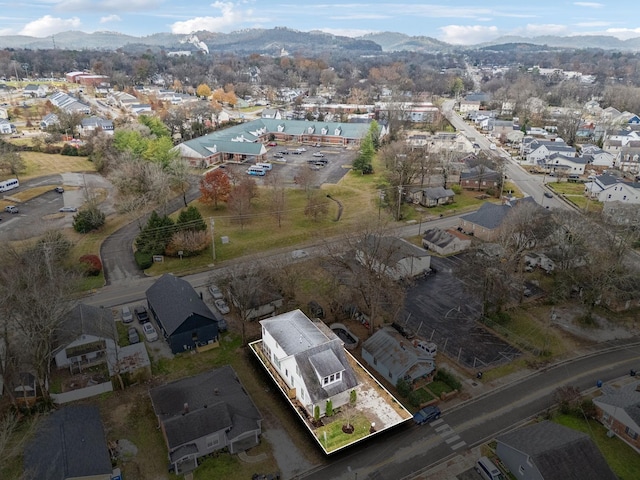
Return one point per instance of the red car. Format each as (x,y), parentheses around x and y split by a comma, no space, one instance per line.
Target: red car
(272,144)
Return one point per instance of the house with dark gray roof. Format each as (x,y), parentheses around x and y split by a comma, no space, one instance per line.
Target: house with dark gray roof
(69,444)
(549,451)
(87,336)
(396,358)
(310,359)
(445,242)
(485,222)
(434,196)
(392,256)
(185,321)
(619,410)
(205,413)
(480,177)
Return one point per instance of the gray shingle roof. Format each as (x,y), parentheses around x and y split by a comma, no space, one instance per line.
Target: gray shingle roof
(294,332)
(88,320)
(491,215)
(397,354)
(391,250)
(627,399)
(70,443)
(559,452)
(216,400)
(174,300)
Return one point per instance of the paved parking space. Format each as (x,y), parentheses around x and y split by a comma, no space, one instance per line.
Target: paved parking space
(289,165)
(440,308)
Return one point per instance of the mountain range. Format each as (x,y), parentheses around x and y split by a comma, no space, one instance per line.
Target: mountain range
(274,41)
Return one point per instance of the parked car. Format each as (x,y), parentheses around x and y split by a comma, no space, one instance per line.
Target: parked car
(127,316)
(301,149)
(426,415)
(272,144)
(141,314)
(215,292)
(548,194)
(405,332)
(318,154)
(68,209)
(59,189)
(133,335)
(11,209)
(284,152)
(222,306)
(297,254)
(149,332)
(277,155)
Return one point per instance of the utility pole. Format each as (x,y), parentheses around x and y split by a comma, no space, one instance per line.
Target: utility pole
(399,200)
(213,241)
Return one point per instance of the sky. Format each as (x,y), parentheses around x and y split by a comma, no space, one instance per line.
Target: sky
(460,22)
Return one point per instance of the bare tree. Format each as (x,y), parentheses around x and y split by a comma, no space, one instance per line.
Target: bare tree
(367,276)
(277,196)
(239,201)
(243,285)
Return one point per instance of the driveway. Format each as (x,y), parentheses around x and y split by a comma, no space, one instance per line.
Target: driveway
(441,308)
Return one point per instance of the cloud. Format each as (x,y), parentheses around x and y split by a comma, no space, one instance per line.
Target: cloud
(624,33)
(48,25)
(535,30)
(107,5)
(588,4)
(110,18)
(229,16)
(468,35)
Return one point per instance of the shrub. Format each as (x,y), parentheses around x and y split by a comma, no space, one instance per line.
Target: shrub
(328,409)
(448,378)
(353,396)
(404,387)
(91,264)
(316,413)
(143,259)
(457,189)
(88,219)
(189,242)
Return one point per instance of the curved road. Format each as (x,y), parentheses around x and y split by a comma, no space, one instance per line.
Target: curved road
(116,251)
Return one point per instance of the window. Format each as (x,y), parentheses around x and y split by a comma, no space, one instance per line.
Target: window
(325,380)
(521,470)
(213,441)
(332,377)
(338,376)
(631,433)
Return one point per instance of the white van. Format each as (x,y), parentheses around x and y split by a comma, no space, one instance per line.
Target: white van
(488,470)
(265,166)
(255,170)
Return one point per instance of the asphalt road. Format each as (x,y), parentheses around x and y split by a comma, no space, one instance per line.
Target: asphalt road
(410,450)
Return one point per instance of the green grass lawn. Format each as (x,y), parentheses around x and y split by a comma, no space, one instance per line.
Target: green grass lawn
(623,460)
(438,388)
(574,192)
(332,437)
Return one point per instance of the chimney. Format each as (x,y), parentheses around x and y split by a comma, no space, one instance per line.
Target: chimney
(185,409)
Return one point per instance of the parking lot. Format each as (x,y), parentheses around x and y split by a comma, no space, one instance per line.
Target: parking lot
(288,162)
(442,309)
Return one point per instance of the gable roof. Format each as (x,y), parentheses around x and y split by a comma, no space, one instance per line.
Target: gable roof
(391,250)
(397,354)
(627,399)
(85,320)
(69,443)
(491,215)
(479,172)
(559,452)
(174,300)
(193,407)
(435,193)
(443,238)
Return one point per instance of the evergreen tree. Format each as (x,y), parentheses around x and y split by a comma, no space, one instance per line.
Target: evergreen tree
(155,236)
(191,219)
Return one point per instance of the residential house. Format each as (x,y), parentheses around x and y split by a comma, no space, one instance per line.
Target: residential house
(396,358)
(539,151)
(271,113)
(203,414)
(48,120)
(453,142)
(69,444)
(91,124)
(562,164)
(623,192)
(310,359)
(485,222)
(598,184)
(549,451)
(140,108)
(68,103)
(480,177)
(619,410)
(6,127)
(35,91)
(596,157)
(4,113)
(185,321)
(254,301)
(433,196)
(467,106)
(393,256)
(445,242)
(87,337)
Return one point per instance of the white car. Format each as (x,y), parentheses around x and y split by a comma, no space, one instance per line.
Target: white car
(68,209)
(222,306)
(215,292)
(149,332)
(318,154)
(127,316)
(301,149)
(299,254)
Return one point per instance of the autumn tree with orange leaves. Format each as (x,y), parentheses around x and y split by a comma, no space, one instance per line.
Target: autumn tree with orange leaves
(215,187)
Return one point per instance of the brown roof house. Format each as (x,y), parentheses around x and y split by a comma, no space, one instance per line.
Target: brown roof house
(549,451)
(202,414)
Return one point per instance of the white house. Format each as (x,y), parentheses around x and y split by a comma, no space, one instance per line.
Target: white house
(393,256)
(310,359)
(596,156)
(541,150)
(5,127)
(562,163)
(622,192)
